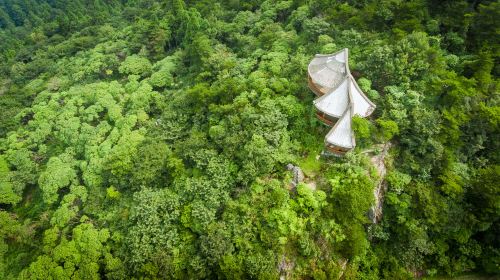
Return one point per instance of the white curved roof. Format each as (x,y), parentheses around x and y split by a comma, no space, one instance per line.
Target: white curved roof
(342,134)
(363,107)
(335,102)
(328,70)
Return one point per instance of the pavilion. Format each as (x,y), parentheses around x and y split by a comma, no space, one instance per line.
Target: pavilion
(339,99)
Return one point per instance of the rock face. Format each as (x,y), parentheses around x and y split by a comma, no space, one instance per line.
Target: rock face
(375,213)
(298,175)
(285,268)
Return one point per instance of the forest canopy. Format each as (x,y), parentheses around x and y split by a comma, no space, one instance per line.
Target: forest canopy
(150,139)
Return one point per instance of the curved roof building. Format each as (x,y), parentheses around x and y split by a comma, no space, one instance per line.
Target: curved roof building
(340,98)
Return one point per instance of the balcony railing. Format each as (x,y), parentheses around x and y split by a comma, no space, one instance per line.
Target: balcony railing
(325,119)
(317,90)
(336,150)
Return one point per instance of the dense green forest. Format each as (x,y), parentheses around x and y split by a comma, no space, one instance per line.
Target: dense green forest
(150,140)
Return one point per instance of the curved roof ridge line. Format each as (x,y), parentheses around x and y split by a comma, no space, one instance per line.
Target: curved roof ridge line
(363,95)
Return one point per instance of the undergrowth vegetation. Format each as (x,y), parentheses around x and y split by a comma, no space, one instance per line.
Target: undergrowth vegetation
(149,139)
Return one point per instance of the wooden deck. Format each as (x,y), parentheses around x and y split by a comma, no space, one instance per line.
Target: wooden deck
(324,119)
(314,88)
(336,150)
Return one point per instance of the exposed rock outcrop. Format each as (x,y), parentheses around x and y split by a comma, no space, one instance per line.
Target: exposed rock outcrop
(375,213)
(285,268)
(298,175)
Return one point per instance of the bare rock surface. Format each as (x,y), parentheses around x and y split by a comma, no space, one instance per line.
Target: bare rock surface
(376,211)
(298,175)
(285,268)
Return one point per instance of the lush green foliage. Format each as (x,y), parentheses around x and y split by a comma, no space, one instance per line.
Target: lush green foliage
(149,139)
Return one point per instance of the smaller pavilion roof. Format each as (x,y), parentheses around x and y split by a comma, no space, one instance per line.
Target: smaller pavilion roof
(342,134)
